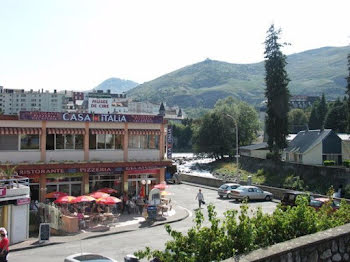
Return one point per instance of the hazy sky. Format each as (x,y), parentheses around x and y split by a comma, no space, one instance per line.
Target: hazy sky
(76,44)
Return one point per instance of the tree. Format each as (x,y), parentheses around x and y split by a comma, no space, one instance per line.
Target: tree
(322,110)
(348,93)
(336,118)
(276,92)
(314,121)
(297,120)
(216,133)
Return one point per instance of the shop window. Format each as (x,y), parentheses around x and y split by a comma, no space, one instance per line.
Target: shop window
(30,142)
(109,141)
(144,142)
(69,142)
(101,141)
(8,142)
(79,142)
(119,141)
(59,141)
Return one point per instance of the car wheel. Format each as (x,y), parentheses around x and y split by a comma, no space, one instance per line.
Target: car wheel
(268,198)
(228,196)
(246,199)
(220,196)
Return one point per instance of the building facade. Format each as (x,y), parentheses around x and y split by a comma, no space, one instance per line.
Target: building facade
(14,100)
(77,153)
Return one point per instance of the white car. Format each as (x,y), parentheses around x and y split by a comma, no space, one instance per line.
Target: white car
(225,189)
(88,257)
(250,193)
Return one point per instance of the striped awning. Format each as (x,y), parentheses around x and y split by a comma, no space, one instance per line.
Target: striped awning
(66,131)
(107,131)
(19,131)
(144,131)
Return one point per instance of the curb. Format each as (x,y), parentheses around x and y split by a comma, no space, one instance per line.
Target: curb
(102,235)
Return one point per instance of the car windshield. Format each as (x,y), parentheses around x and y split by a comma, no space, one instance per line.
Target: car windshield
(316,203)
(241,188)
(93,258)
(224,186)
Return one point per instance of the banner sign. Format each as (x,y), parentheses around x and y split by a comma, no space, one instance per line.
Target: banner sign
(23,201)
(169,142)
(85,117)
(2,191)
(57,171)
(100,105)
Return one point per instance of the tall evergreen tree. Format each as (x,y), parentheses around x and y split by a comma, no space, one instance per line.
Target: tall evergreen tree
(277,93)
(336,118)
(322,110)
(314,120)
(348,93)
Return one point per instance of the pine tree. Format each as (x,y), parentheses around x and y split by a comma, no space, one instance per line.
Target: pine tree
(348,93)
(276,92)
(314,121)
(322,110)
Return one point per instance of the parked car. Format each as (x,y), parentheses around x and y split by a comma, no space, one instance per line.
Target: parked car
(289,197)
(317,203)
(250,193)
(88,257)
(225,189)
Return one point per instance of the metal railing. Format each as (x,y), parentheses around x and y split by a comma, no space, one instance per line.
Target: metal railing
(14,182)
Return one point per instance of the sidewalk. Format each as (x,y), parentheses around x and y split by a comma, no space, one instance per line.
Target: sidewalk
(126,223)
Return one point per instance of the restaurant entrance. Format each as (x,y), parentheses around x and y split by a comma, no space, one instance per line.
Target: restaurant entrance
(140,183)
(103,180)
(70,184)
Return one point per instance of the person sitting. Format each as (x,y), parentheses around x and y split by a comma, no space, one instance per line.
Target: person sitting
(100,209)
(88,209)
(81,221)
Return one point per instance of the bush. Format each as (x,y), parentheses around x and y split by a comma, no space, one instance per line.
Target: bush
(346,163)
(237,234)
(329,162)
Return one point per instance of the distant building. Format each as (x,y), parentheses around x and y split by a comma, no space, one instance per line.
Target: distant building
(14,100)
(106,102)
(302,102)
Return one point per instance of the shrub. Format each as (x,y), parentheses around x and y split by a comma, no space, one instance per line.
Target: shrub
(329,162)
(346,163)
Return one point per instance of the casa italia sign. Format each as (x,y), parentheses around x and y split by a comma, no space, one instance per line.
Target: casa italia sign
(85,117)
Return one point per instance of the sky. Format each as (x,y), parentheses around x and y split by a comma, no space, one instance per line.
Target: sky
(77,44)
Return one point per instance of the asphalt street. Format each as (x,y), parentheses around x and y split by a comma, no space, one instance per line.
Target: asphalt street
(119,245)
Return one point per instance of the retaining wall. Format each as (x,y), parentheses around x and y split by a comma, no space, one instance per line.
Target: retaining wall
(329,245)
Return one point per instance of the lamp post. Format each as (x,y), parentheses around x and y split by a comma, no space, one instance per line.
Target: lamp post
(237,153)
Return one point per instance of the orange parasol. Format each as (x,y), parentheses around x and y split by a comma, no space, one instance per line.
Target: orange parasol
(108,200)
(55,195)
(98,195)
(81,199)
(64,200)
(161,186)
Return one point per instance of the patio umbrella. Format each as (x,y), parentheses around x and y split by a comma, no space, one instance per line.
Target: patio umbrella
(108,200)
(55,195)
(107,190)
(161,186)
(99,195)
(81,199)
(165,193)
(64,200)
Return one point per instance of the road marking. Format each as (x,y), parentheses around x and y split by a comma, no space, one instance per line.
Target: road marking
(189,212)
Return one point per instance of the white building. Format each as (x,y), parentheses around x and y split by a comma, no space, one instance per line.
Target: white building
(14,100)
(106,103)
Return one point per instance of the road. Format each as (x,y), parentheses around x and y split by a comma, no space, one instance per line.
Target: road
(119,245)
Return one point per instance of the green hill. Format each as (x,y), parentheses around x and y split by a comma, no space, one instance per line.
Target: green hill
(201,85)
(116,85)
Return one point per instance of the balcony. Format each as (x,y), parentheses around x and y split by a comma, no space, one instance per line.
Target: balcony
(15,187)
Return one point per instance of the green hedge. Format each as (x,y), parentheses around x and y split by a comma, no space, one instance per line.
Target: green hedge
(239,233)
(346,163)
(329,162)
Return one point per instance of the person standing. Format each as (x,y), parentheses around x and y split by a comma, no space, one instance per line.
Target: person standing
(4,245)
(200,198)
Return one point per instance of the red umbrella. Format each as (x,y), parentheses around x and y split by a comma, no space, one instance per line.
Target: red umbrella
(107,190)
(64,200)
(108,200)
(80,199)
(99,195)
(55,195)
(161,186)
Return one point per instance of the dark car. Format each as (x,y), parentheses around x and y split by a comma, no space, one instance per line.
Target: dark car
(289,197)
(317,203)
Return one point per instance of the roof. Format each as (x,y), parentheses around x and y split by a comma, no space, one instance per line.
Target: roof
(344,137)
(307,139)
(255,146)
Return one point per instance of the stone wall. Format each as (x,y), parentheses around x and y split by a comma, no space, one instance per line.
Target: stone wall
(326,246)
(321,176)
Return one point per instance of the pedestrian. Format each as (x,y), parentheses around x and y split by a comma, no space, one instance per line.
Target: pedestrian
(200,198)
(4,245)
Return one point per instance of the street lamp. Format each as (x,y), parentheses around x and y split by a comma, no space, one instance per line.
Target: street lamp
(236,124)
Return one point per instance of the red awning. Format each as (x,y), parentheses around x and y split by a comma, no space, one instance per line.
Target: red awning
(144,132)
(107,131)
(66,131)
(19,131)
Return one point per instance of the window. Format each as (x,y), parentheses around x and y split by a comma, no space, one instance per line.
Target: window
(8,142)
(144,142)
(106,141)
(68,142)
(30,142)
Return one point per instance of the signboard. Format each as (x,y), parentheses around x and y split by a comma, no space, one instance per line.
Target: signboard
(44,232)
(169,142)
(100,105)
(2,191)
(88,117)
(23,201)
